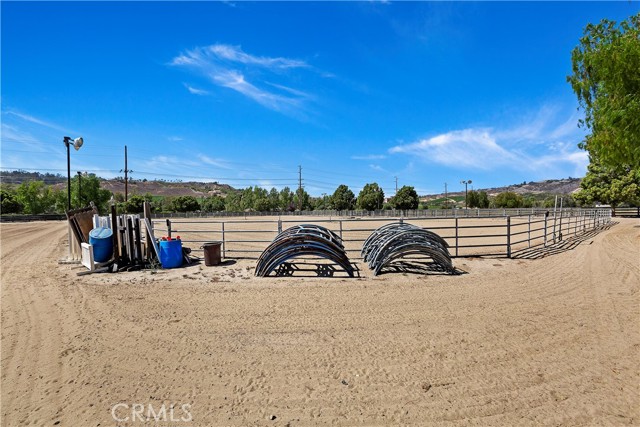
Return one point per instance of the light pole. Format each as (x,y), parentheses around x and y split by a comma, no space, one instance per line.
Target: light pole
(77,143)
(466,183)
(80,188)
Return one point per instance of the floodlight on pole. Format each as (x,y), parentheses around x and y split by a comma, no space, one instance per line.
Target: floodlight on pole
(466,183)
(76,143)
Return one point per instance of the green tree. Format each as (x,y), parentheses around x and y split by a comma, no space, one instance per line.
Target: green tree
(9,202)
(606,81)
(302,200)
(609,186)
(478,199)
(213,204)
(509,200)
(343,198)
(134,205)
(233,202)
(371,197)
(186,204)
(406,198)
(274,199)
(285,200)
(36,197)
(262,204)
(90,192)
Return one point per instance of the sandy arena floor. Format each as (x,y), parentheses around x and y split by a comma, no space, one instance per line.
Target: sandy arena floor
(553,341)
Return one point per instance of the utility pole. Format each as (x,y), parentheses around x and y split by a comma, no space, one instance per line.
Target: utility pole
(299,187)
(126,180)
(446,196)
(396,185)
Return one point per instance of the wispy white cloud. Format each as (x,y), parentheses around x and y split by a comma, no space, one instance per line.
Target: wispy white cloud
(236,54)
(541,145)
(195,90)
(35,120)
(231,67)
(369,157)
(220,163)
(175,138)
(378,168)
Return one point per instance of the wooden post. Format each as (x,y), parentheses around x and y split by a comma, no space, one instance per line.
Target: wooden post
(168,227)
(137,240)
(147,236)
(131,251)
(114,235)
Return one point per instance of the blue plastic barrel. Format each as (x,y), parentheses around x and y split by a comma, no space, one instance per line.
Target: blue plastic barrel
(170,253)
(101,239)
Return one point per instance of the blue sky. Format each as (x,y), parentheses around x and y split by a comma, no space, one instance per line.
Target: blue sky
(243,93)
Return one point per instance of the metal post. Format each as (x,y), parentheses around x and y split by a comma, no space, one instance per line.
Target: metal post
(66,142)
(508,237)
(79,189)
(224,245)
(456,236)
(341,229)
(529,231)
(546,216)
(555,208)
(168,227)
(560,227)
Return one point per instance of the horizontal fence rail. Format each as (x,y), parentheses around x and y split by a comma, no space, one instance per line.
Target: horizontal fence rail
(488,232)
(386,213)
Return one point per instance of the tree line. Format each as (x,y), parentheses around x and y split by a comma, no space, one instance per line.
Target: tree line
(36,197)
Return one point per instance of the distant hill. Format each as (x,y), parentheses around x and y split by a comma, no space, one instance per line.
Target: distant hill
(204,189)
(116,185)
(164,188)
(550,186)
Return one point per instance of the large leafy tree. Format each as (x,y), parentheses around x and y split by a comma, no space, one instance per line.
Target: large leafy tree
(405,198)
(478,199)
(36,197)
(609,186)
(371,197)
(87,189)
(509,199)
(302,200)
(213,204)
(185,204)
(606,80)
(343,198)
(9,201)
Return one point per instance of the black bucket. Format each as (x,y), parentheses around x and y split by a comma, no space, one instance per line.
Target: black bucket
(212,253)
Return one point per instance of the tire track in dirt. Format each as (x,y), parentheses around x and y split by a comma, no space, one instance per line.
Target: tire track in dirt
(31,325)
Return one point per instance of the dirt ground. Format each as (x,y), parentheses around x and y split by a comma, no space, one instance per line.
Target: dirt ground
(552,341)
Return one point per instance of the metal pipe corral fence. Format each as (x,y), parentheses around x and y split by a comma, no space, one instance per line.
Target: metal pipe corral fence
(471,232)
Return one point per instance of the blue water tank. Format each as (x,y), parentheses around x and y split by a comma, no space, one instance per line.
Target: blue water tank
(170,253)
(101,238)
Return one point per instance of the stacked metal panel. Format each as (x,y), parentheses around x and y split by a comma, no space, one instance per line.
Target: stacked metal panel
(396,241)
(303,240)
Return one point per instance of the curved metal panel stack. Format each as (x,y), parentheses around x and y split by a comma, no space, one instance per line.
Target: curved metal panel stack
(395,241)
(303,240)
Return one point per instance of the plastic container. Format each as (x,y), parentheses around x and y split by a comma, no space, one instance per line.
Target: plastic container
(170,253)
(101,238)
(212,253)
